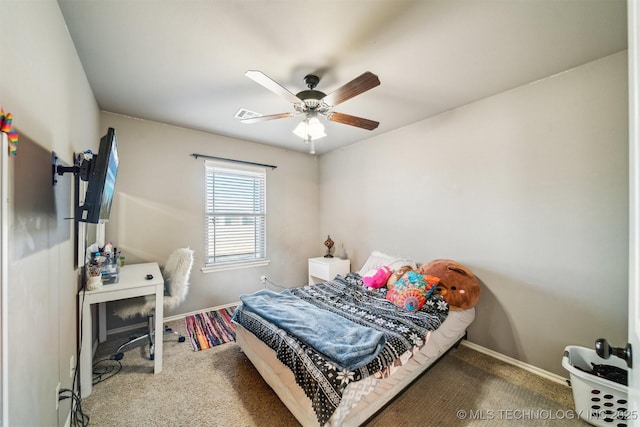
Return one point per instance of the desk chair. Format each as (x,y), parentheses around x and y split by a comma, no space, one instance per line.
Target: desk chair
(176,278)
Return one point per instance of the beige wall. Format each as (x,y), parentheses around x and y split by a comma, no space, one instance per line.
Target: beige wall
(159,206)
(527,188)
(43,84)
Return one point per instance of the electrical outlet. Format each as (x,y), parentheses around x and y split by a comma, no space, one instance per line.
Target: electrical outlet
(58,396)
(72,365)
(263,279)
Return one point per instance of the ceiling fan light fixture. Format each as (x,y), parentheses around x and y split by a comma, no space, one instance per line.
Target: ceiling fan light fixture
(301,129)
(310,129)
(316,129)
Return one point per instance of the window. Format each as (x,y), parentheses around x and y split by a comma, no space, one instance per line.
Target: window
(235,214)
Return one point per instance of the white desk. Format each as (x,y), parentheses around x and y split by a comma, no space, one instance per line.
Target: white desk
(132,283)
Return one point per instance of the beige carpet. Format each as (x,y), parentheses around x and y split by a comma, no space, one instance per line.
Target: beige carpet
(220,387)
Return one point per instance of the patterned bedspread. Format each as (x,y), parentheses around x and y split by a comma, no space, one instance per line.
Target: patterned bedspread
(346,296)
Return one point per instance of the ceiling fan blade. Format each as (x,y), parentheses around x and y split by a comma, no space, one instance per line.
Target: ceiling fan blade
(264,80)
(355,87)
(269,117)
(353,120)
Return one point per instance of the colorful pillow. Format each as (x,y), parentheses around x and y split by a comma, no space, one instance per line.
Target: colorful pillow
(409,299)
(377,278)
(397,274)
(412,290)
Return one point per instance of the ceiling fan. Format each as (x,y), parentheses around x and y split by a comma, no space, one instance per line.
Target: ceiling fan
(312,102)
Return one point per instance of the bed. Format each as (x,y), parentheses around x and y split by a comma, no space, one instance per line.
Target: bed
(321,383)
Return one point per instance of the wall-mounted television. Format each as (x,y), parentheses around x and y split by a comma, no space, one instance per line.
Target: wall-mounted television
(100,174)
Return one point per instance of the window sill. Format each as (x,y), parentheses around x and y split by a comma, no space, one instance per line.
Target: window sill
(233,266)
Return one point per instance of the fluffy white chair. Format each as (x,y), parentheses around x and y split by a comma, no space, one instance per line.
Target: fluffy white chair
(176,278)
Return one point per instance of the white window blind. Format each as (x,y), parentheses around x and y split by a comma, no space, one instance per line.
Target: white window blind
(235,213)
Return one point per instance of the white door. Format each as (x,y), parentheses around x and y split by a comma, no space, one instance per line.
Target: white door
(634,211)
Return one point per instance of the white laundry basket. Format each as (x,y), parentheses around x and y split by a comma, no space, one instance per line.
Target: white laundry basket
(599,402)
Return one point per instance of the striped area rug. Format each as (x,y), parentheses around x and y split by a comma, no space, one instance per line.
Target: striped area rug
(210,328)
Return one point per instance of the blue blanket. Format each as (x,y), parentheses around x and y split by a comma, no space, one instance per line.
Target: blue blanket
(346,343)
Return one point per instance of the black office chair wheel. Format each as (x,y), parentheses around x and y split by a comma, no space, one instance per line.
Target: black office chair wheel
(181,339)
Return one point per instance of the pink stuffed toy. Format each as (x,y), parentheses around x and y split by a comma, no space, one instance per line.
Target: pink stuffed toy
(377,278)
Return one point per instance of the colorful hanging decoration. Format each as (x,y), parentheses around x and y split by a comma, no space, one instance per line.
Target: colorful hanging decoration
(5,127)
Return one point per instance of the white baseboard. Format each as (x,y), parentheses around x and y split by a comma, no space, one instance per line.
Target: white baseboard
(168,319)
(522,365)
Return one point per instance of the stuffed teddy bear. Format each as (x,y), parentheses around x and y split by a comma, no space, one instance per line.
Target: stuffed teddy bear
(458,285)
(377,278)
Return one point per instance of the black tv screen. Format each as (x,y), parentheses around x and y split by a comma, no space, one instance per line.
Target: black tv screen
(101,181)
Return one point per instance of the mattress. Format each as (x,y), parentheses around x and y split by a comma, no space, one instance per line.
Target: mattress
(362,399)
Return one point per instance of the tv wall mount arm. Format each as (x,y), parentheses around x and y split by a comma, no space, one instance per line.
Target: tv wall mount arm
(80,169)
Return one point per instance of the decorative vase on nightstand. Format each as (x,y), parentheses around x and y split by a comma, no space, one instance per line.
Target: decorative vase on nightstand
(329,244)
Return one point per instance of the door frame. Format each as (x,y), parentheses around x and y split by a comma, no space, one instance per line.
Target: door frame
(633,22)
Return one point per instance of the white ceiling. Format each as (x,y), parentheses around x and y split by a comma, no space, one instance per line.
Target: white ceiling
(182,62)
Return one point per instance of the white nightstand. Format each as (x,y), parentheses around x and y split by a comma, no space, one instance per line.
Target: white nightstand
(322,269)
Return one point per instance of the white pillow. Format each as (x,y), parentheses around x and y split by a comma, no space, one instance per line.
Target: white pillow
(378,259)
